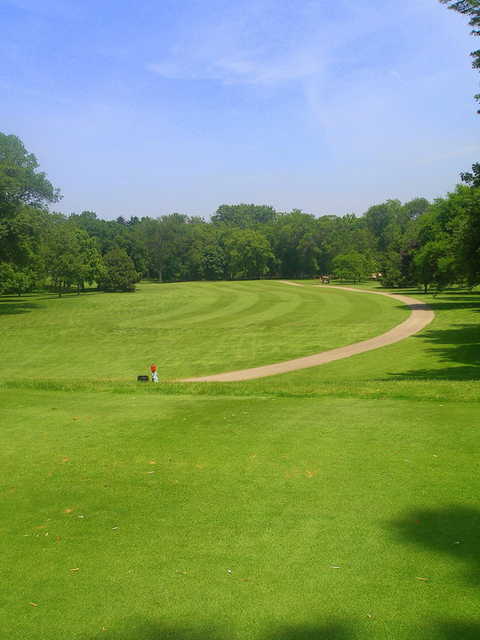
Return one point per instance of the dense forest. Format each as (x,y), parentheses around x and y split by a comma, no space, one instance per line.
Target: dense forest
(418,242)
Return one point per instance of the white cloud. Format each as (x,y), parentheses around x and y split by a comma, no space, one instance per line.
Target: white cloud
(252,44)
(261,43)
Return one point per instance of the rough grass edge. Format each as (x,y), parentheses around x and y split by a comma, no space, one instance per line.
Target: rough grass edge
(409,390)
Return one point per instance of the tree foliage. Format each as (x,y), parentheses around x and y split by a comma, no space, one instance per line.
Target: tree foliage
(416,242)
(20,181)
(119,273)
(351,266)
(244,215)
(72,258)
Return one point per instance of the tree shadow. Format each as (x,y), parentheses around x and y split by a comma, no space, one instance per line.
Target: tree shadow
(453,530)
(15,306)
(329,631)
(135,628)
(454,630)
(452,374)
(444,294)
(138,629)
(459,344)
(444,306)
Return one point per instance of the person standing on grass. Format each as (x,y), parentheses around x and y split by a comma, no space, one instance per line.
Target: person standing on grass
(153,369)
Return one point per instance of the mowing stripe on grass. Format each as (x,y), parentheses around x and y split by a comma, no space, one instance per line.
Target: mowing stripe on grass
(420,317)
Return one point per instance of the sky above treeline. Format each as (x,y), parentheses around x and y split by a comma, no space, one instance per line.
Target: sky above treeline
(154,106)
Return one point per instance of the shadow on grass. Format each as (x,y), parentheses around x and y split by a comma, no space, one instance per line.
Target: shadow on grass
(459,345)
(14,306)
(329,631)
(139,629)
(453,630)
(444,306)
(135,629)
(453,531)
(454,374)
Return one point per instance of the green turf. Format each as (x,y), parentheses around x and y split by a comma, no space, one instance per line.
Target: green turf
(336,503)
(441,362)
(187,328)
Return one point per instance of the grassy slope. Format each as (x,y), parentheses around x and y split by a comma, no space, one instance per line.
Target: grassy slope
(442,362)
(258,478)
(188,328)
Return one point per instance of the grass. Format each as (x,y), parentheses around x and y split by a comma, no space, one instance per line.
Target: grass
(187,328)
(335,503)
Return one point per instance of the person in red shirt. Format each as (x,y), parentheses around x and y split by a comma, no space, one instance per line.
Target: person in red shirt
(153,369)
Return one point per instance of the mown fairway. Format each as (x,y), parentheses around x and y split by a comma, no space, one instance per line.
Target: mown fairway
(332,503)
(187,328)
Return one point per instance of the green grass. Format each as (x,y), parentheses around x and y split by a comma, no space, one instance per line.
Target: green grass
(221,512)
(187,328)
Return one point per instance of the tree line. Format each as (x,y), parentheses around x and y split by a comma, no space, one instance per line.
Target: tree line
(433,244)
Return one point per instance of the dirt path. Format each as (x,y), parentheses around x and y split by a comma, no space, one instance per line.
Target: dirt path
(420,317)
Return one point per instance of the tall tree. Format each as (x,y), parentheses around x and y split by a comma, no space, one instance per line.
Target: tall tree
(247,253)
(434,263)
(351,266)
(119,274)
(72,257)
(24,195)
(457,217)
(20,181)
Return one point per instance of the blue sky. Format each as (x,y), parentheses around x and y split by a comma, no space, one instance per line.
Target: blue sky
(157,106)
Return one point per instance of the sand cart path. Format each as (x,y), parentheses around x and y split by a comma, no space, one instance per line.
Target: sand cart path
(421,316)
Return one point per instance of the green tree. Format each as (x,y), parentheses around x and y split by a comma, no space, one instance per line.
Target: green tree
(434,264)
(413,209)
(20,181)
(213,262)
(382,220)
(72,257)
(457,217)
(7,276)
(206,255)
(247,253)
(25,238)
(472,178)
(24,195)
(22,281)
(15,280)
(351,266)
(167,241)
(244,215)
(119,273)
(114,233)
(294,239)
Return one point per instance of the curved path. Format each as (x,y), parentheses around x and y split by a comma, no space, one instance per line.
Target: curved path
(420,317)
